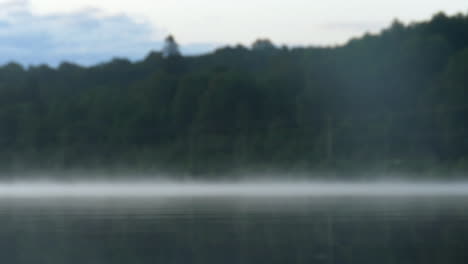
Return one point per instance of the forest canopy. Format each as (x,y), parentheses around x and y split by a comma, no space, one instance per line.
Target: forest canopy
(395,99)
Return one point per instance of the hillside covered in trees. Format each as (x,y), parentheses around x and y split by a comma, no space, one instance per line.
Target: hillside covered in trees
(393,100)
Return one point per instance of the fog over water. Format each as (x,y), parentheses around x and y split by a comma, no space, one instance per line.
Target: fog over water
(251,221)
(225,189)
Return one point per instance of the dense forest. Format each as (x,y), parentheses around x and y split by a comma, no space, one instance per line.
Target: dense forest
(395,100)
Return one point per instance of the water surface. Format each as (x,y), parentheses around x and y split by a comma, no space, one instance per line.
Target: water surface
(189,224)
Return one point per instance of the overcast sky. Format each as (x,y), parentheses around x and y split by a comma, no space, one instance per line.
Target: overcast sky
(90,31)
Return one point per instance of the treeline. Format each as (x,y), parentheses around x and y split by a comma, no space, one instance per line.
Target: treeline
(396,99)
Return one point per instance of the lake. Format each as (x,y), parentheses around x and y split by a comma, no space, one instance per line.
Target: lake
(233,223)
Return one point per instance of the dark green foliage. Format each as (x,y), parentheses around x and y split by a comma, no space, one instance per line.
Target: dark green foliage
(395,98)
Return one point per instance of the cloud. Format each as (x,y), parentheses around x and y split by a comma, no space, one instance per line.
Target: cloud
(85,37)
(356,27)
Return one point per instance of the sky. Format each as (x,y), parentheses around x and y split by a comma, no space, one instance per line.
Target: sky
(92,31)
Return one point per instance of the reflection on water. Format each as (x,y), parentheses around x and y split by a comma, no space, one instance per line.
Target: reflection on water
(228,229)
